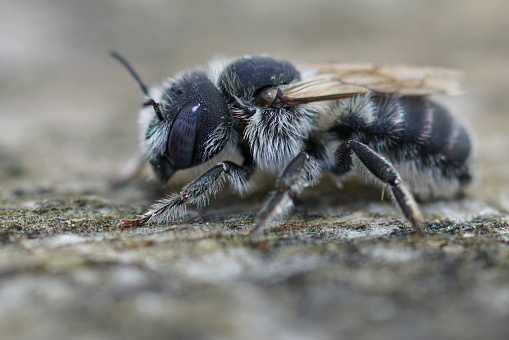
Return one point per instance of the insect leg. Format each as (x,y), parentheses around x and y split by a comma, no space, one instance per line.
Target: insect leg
(385,172)
(197,192)
(301,172)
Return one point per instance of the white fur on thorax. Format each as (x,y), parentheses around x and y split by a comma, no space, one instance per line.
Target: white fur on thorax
(276,143)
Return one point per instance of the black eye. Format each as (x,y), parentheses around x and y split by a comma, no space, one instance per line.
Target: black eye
(199,120)
(182,139)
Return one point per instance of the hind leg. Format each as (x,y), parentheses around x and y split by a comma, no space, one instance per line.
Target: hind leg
(384,171)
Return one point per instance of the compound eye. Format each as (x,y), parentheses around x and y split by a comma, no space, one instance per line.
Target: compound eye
(182,139)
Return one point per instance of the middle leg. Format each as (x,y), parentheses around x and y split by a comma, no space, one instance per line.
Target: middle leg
(303,171)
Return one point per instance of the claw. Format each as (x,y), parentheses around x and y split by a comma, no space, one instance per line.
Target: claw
(133,223)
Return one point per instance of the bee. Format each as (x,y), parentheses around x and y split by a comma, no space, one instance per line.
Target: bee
(374,120)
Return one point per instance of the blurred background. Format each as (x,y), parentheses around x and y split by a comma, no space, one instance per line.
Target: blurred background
(68,111)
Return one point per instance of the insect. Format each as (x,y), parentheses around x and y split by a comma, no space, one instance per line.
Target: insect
(378,121)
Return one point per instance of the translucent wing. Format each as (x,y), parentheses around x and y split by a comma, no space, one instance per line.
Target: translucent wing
(335,81)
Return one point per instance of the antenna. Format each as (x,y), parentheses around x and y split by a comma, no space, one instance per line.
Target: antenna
(144,88)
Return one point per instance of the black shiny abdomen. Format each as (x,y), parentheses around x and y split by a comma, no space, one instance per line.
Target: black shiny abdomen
(417,130)
(442,140)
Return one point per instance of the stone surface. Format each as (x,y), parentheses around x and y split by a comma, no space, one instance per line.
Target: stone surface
(344,265)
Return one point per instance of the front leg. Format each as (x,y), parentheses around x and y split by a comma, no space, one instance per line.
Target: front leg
(301,172)
(197,192)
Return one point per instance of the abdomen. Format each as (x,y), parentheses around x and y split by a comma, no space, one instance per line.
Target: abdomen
(431,148)
(434,151)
